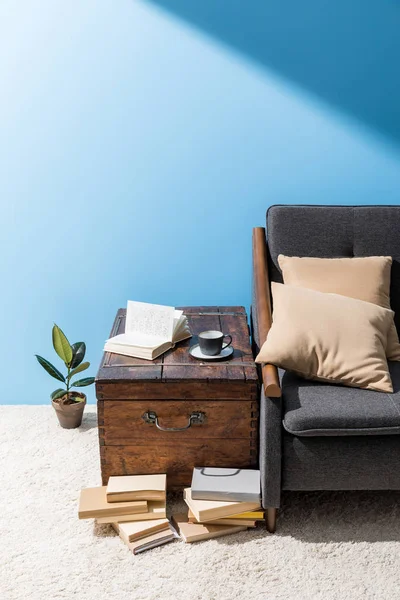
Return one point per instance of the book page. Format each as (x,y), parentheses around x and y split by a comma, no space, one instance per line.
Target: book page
(178,316)
(137,340)
(152,320)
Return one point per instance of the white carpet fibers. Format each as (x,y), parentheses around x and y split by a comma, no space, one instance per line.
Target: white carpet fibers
(327,546)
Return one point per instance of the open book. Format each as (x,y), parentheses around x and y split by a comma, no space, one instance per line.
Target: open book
(150,330)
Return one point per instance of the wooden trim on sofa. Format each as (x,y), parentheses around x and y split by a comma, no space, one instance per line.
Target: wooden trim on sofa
(261,308)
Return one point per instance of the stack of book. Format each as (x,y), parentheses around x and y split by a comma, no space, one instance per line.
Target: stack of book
(220,502)
(135,505)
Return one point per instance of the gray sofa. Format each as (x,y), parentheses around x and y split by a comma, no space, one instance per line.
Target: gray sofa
(318,436)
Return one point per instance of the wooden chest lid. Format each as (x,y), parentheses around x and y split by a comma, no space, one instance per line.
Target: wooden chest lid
(177,365)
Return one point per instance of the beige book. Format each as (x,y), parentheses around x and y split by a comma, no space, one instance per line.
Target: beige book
(136,487)
(258,515)
(131,531)
(248,517)
(209,510)
(194,532)
(93,504)
(240,522)
(151,541)
(155,510)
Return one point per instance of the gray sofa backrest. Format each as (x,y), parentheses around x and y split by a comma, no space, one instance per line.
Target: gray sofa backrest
(334,232)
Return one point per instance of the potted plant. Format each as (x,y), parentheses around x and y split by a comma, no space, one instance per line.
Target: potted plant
(68,404)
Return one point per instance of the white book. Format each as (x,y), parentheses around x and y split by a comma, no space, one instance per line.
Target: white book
(150,330)
(224,485)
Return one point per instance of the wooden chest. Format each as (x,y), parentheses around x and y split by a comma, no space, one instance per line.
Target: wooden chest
(145,408)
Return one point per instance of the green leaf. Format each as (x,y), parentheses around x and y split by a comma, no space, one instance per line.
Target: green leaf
(50,368)
(62,345)
(78,351)
(83,382)
(78,399)
(58,394)
(81,367)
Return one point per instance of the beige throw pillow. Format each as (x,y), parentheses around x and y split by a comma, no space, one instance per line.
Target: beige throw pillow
(364,278)
(328,337)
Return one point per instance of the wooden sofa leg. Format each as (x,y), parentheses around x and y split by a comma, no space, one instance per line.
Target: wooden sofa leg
(270,519)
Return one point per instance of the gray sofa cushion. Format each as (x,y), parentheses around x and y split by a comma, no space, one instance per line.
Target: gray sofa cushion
(321,409)
(341,463)
(334,232)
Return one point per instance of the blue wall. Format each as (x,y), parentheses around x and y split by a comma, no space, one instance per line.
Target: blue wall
(141,141)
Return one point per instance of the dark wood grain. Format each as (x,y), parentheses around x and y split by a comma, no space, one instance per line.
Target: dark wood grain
(261,308)
(196,371)
(179,390)
(123,423)
(177,364)
(239,330)
(169,457)
(174,386)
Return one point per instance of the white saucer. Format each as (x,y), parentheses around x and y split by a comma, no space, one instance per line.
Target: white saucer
(197,353)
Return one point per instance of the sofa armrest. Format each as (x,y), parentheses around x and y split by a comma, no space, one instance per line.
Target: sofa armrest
(270,450)
(261,313)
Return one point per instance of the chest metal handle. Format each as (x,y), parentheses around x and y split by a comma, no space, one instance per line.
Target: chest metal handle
(196,418)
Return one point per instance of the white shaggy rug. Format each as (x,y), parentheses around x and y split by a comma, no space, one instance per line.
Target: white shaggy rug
(328,546)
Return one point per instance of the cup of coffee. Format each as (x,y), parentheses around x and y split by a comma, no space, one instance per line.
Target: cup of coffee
(211,342)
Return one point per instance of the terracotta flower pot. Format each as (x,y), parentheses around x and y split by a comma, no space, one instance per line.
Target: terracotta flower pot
(70,413)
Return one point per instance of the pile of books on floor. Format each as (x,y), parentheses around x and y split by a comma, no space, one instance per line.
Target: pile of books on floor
(135,506)
(220,502)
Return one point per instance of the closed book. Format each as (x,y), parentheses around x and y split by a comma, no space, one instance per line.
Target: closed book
(195,532)
(258,515)
(135,530)
(226,521)
(239,522)
(226,485)
(151,541)
(155,510)
(93,504)
(209,510)
(137,487)
(253,515)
